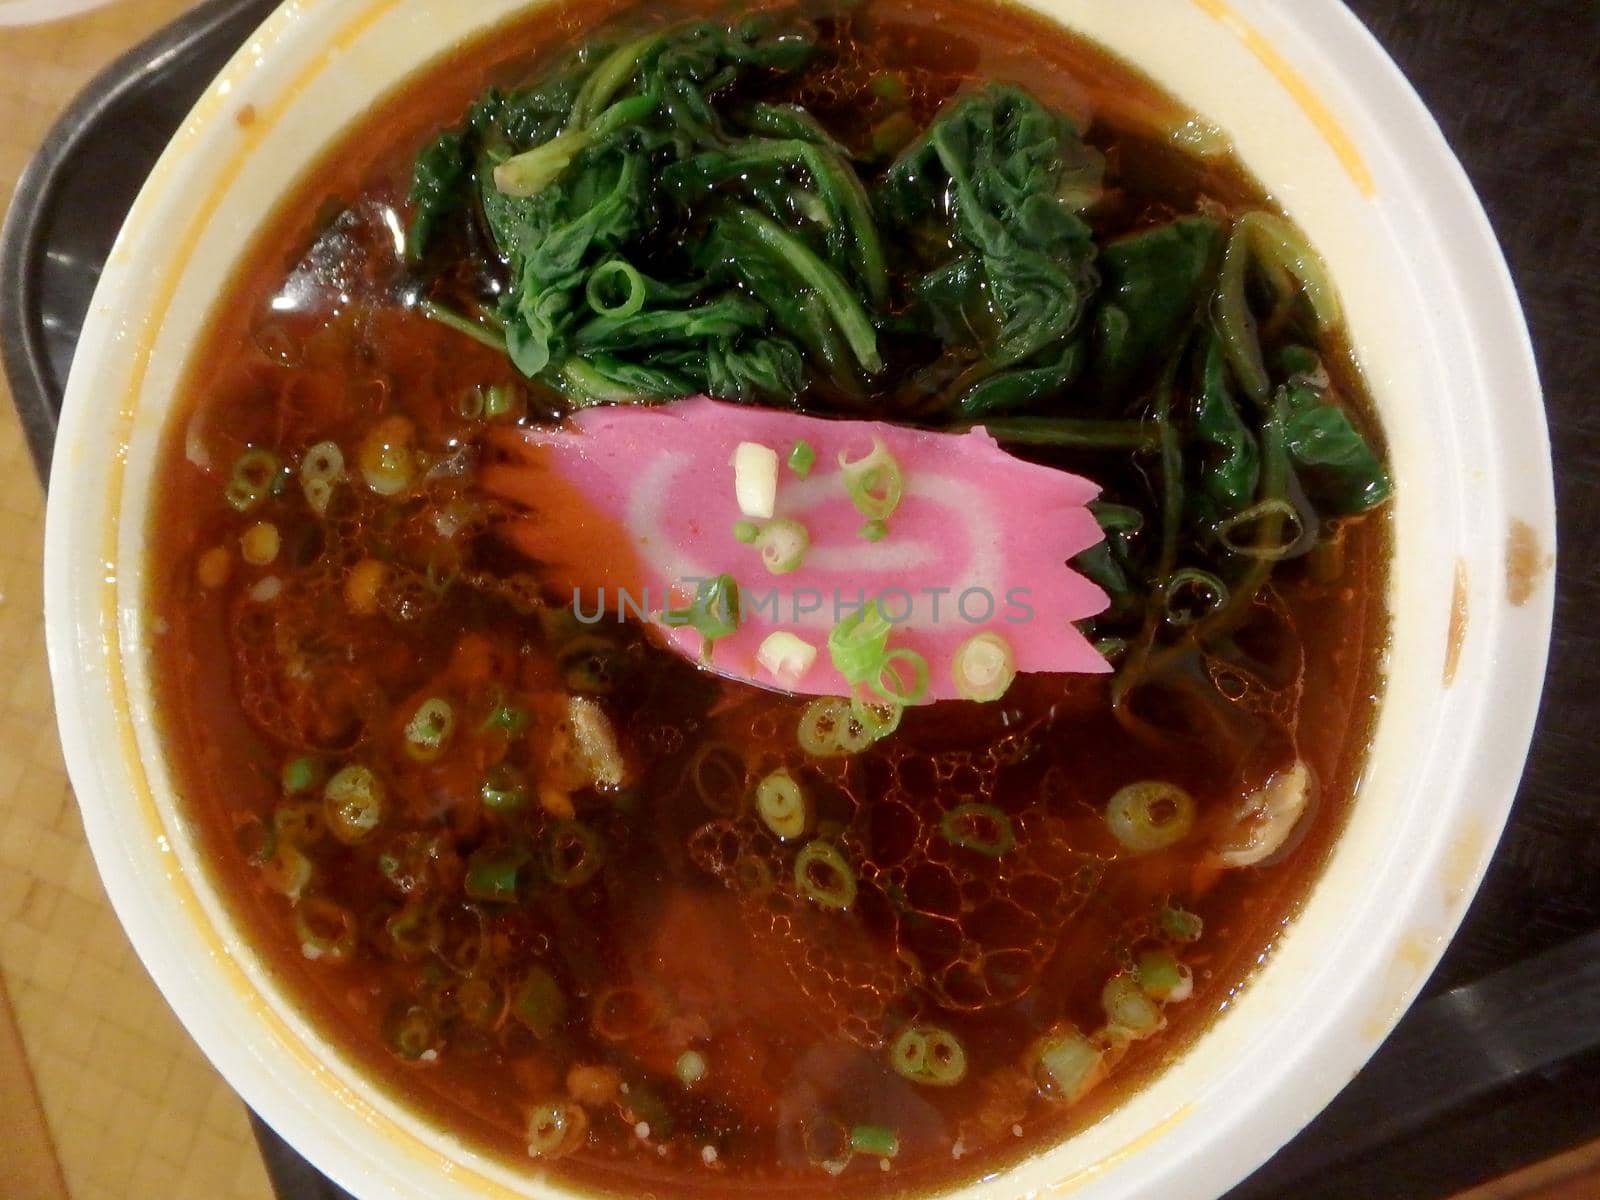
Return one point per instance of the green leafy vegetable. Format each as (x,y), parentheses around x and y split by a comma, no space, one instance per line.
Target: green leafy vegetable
(653,218)
(571,181)
(1008,261)
(1152,282)
(1334,463)
(1230,461)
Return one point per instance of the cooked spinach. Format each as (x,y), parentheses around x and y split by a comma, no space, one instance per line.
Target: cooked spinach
(569,177)
(1153,280)
(654,217)
(989,199)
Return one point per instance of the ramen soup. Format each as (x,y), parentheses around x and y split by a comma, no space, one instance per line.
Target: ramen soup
(853,908)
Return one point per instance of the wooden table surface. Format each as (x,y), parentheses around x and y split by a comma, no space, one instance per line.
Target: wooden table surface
(102,1094)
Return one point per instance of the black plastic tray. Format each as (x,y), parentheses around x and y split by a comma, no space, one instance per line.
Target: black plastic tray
(1500,1064)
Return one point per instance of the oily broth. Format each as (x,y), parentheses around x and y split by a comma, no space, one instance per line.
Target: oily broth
(332,369)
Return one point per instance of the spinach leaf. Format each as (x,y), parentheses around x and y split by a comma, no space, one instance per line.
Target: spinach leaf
(834,201)
(1333,462)
(1008,263)
(435,189)
(1229,460)
(574,175)
(1023,387)
(1153,281)
(1112,563)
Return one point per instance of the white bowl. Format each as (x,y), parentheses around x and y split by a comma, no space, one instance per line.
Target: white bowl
(1319,113)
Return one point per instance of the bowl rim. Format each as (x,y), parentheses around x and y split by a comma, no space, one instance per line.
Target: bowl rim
(81,640)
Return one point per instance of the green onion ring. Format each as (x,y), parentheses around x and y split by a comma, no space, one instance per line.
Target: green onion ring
(1265,510)
(824,875)
(602,276)
(1150,815)
(981,828)
(929,1055)
(573,854)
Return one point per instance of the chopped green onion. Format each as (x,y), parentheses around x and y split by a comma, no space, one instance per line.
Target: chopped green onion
(802,457)
(782,806)
(859,643)
(824,875)
(755,479)
(1270,514)
(1162,977)
(858,646)
(877,718)
(385,459)
(621,1013)
(589,665)
(301,823)
(429,729)
(300,775)
(610,277)
(829,729)
(556,1129)
(690,1067)
(470,404)
(1192,594)
(1068,1066)
(573,854)
(984,667)
(981,828)
(897,688)
(513,721)
(783,545)
(875,1141)
(1129,1012)
(501,402)
(412,1032)
(539,1003)
(1150,815)
(327,931)
(504,789)
(874,531)
(288,871)
(746,532)
(929,1055)
(718,773)
(353,803)
(788,656)
(827,1143)
(873,481)
(255,473)
(320,469)
(1180,924)
(714,611)
(492,874)
(888,86)
(413,930)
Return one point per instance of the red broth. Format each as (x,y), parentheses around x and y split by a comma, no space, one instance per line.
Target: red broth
(637,951)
